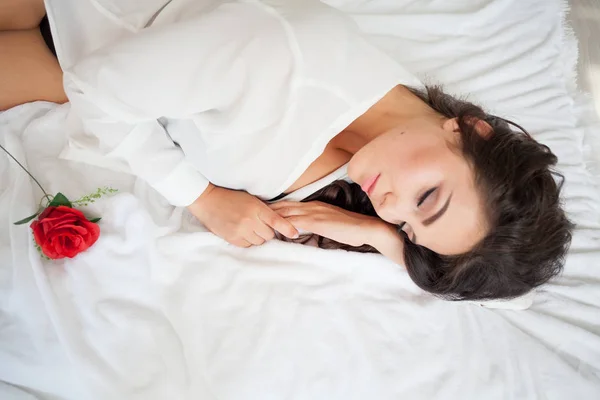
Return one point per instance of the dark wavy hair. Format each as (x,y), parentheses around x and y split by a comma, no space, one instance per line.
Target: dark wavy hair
(529,232)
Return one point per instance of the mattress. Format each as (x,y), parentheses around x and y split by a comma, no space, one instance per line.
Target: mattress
(160,308)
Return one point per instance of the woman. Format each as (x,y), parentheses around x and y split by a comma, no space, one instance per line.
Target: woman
(235,110)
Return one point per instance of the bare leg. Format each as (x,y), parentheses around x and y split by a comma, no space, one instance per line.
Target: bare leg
(21,14)
(28,70)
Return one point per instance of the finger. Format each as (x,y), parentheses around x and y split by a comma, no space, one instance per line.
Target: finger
(280,224)
(243,243)
(304,222)
(284,204)
(294,207)
(264,231)
(254,239)
(290,211)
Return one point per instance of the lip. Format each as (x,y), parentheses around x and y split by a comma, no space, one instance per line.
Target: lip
(369,184)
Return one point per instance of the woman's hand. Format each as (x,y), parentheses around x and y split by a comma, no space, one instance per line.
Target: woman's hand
(331,222)
(344,226)
(238,217)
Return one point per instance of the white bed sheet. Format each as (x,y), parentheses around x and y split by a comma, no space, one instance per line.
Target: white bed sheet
(158,308)
(584,17)
(585,20)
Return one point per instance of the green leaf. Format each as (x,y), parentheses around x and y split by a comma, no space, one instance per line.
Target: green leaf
(26,220)
(95,220)
(60,200)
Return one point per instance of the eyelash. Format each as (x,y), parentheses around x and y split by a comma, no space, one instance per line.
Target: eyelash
(421,201)
(426,195)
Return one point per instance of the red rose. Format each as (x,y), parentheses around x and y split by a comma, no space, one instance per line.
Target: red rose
(64,232)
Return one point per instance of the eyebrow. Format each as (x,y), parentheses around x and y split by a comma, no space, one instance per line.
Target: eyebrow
(438,214)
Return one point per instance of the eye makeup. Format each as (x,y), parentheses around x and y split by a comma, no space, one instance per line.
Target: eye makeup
(425,195)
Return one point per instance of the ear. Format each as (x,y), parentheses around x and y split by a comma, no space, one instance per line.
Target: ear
(482,128)
(451,125)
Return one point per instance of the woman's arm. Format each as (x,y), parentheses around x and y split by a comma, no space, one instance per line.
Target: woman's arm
(387,241)
(128,141)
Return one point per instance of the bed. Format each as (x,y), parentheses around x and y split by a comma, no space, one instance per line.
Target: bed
(159,308)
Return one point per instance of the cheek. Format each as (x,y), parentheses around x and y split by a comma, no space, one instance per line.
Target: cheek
(425,170)
(374,157)
(415,171)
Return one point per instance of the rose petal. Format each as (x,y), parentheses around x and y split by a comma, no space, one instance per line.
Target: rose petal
(92,230)
(78,242)
(46,212)
(58,242)
(38,233)
(94,233)
(60,212)
(66,220)
(49,250)
(63,232)
(68,247)
(61,244)
(72,211)
(56,214)
(72,229)
(49,224)
(58,219)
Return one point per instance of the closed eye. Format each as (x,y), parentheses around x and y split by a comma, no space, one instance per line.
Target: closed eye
(425,196)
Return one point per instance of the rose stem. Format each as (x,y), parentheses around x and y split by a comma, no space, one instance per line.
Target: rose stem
(46,195)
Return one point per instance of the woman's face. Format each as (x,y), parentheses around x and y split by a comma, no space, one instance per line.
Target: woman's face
(415,175)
